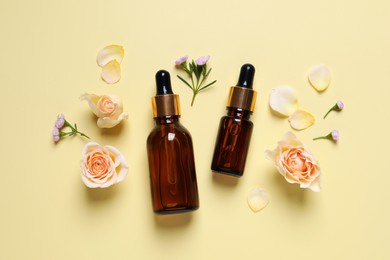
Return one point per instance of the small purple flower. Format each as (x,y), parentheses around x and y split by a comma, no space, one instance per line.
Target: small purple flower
(181,60)
(202,60)
(335,135)
(60,123)
(340,105)
(56,134)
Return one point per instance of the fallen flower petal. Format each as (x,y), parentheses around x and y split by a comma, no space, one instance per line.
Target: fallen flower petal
(111,72)
(319,77)
(109,53)
(283,100)
(301,120)
(257,199)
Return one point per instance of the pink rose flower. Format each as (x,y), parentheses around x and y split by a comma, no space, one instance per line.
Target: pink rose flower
(107,108)
(295,163)
(102,166)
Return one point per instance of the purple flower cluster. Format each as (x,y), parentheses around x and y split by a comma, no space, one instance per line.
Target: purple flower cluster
(61,123)
(197,72)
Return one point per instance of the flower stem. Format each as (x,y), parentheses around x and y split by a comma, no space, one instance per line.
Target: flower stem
(193,98)
(74,130)
(323,137)
(330,110)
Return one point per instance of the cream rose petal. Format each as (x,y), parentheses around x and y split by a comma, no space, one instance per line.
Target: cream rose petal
(120,162)
(319,77)
(257,199)
(109,53)
(111,72)
(92,100)
(301,120)
(283,100)
(107,122)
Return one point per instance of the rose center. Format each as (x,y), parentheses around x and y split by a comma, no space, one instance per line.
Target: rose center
(107,105)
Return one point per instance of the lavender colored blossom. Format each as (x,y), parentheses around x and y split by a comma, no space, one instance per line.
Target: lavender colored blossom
(181,60)
(202,60)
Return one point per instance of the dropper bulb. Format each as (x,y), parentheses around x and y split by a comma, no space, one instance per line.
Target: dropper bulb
(247,74)
(163,83)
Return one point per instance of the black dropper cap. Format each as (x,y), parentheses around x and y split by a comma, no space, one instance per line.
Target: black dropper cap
(247,74)
(242,95)
(165,103)
(163,83)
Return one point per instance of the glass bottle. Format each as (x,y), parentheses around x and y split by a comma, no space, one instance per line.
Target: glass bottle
(170,154)
(235,129)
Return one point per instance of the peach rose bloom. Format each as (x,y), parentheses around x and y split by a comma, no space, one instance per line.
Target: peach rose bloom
(107,108)
(102,166)
(295,163)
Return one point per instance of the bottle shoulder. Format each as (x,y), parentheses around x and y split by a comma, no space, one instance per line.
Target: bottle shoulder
(170,131)
(227,118)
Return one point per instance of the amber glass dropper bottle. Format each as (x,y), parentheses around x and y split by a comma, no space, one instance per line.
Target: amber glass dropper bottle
(235,129)
(170,153)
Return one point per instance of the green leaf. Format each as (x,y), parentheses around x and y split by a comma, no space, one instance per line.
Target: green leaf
(185,82)
(208,85)
(207,74)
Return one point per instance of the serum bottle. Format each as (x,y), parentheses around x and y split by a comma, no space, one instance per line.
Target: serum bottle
(170,154)
(235,129)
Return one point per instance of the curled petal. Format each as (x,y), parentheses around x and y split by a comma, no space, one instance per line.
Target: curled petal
(283,100)
(108,122)
(111,72)
(319,77)
(257,199)
(301,120)
(109,53)
(93,100)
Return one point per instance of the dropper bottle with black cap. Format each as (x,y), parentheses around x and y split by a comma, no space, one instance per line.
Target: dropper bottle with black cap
(235,129)
(170,154)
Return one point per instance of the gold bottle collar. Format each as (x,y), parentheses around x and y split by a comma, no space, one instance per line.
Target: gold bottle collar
(166,105)
(243,98)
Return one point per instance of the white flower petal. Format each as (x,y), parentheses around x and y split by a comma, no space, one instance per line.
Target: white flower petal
(120,162)
(107,122)
(109,53)
(92,100)
(301,120)
(257,199)
(111,72)
(283,100)
(319,77)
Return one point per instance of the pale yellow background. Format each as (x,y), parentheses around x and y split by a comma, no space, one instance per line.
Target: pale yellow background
(48,59)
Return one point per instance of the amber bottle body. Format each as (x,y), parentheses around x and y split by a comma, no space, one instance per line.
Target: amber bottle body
(172,167)
(232,144)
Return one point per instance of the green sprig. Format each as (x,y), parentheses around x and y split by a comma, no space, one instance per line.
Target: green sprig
(198,75)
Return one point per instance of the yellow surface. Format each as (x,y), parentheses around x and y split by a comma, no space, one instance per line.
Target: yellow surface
(47,60)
